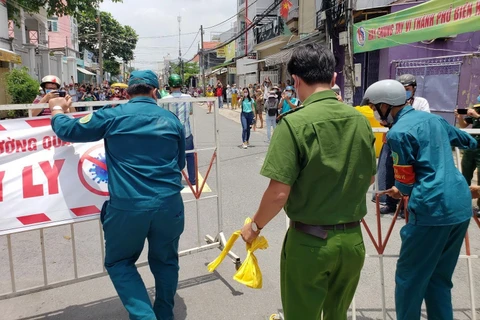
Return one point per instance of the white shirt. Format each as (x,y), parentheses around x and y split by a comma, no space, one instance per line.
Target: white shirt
(182,110)
(421,104)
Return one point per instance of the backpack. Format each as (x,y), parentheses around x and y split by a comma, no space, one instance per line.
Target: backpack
(271,106)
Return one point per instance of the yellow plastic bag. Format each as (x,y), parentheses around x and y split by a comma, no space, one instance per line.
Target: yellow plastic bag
(249,272)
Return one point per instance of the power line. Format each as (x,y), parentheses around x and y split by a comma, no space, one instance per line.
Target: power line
(252,25)
(191,45)
(232,17)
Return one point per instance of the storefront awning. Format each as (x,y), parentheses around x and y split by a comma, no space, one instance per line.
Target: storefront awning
(279,57)
(10,56)
(426,21)
(85,71)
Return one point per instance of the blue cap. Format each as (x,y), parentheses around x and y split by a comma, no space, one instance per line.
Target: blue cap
(289,88)
(144,77)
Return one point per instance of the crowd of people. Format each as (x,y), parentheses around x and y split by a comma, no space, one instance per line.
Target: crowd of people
(51,87)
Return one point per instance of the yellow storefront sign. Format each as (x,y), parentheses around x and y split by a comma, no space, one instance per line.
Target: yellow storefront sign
(9,56)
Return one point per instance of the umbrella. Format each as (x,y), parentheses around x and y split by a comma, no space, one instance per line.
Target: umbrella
(119,85)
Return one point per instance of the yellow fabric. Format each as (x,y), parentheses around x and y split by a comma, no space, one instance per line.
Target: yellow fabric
(368,112)
(249,272)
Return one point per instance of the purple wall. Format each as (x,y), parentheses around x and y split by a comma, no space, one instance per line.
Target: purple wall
(462,44)
(469,85)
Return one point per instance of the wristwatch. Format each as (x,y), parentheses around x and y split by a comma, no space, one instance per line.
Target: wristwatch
(255,227)
(57,108)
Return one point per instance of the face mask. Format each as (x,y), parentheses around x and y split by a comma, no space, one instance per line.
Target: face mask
(176,94)
(478,99)
(289,94)
(48,90)
(409,94)
(245,94)
(386,123)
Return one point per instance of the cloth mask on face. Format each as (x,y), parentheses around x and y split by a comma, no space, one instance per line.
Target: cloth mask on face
(289,94)
(48,90)
(478,99)
(245,94)
(409,94)
(176,94)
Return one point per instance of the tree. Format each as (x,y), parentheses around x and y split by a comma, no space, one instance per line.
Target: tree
(189,69)
(55,7)
(21,88)
(112,67)
(117,41)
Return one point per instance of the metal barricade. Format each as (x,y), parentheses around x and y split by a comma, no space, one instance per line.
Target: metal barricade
(208,242)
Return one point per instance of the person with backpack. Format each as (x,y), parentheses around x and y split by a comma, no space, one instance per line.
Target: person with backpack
(271,108)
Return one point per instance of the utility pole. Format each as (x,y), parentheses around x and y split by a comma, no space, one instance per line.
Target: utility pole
(202,62)
(100,49)
(179,19)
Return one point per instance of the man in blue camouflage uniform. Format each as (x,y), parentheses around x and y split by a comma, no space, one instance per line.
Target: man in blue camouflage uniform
(440,205)
(145,153)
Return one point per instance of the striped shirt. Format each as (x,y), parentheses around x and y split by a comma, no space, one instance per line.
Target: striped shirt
(181,109)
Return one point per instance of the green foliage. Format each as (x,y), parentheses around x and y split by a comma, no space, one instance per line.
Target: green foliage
(22,88)
(190,69)
(111,66)
(54,7)
(117,41)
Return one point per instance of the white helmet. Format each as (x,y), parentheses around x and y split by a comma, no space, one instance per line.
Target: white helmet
(390,92)
(51,79)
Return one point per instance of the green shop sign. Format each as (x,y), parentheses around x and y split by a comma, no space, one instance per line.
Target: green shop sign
(429,20)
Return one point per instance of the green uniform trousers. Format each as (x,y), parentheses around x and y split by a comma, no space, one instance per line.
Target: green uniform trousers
(320,275)
(470,162)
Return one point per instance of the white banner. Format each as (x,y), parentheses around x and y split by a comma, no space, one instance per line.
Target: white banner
(45,181)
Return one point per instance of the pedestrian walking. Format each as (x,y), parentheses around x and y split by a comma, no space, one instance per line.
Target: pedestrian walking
(209,94)
(247,116)
(440,202)
(234,97)
(259,107)
(271,109)
(229,96)
(145,154)
(324,140)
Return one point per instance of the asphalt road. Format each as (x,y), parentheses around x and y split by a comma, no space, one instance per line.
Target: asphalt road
(201,295)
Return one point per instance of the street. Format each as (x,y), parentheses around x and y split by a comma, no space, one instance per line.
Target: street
(202,295)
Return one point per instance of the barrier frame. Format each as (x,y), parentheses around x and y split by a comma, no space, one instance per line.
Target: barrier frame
(210,242)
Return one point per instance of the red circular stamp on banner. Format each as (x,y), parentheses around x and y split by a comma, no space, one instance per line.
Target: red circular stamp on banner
(93,172)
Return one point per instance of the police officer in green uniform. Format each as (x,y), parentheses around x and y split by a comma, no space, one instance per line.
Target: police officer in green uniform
(321,162)
(471,157)
(145,154)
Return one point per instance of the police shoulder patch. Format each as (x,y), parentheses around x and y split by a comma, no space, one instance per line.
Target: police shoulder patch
(395,157)
(86,119)
(283,115)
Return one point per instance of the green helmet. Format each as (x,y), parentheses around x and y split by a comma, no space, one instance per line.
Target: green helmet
(175,81)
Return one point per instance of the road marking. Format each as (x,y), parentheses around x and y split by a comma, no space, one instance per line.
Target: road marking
(187,189)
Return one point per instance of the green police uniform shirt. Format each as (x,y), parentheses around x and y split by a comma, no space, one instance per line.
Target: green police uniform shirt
(144,150)
(325,152)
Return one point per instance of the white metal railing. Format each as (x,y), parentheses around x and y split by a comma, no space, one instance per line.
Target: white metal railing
(211,242)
